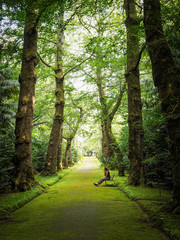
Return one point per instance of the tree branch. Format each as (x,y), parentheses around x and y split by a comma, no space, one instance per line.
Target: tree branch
(43,61)
(138,60)
(88,74)
(115,108)
(36,124)
(83,24)
(78,65)
(47,40)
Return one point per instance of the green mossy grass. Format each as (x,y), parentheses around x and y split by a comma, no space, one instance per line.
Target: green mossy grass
(154,201)
(12,201)
(74,209)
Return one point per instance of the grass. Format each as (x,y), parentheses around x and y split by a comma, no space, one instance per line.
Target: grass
(75,197)
(12,201)
(154,202)
(76,209)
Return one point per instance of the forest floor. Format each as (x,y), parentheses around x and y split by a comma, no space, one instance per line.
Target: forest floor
(75,209)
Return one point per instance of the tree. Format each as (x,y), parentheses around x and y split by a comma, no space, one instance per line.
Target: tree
(23,177)
(23,174)
(110,146)
(136,132)
(166,75)
(51,158)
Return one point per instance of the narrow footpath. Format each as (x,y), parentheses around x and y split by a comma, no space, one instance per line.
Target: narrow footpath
(75,209)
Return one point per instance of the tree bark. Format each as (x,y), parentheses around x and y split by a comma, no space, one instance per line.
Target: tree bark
(107,150)
(136,131)
(23,177)
(115,147)
(51,158)
(68,147)
(59,155)
(166,77)
(70,156)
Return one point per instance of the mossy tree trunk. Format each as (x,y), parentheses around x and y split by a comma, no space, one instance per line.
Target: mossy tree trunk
(166,77)
(59,155)
(110,147)
(70,156)
(52,152)
(136,131)
(67,152)
(115,147)
(107,149)
(23,177)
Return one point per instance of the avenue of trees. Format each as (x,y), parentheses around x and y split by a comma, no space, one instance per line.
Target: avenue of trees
(90,76)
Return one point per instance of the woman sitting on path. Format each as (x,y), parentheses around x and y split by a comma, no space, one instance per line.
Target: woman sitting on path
(106,177)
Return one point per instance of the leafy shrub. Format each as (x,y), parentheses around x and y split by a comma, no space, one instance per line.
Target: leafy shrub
(6,155)
(74,154)
(39,149)
(157,163)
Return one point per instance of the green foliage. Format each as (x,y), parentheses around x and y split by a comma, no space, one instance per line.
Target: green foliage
(74,154)
(157,163)
(48,180)
(110,163)
(6,154)
(8,90)
(170,16)
(39,148)
(123,142)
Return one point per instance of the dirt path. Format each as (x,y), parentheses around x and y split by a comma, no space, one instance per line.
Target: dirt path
(74,209)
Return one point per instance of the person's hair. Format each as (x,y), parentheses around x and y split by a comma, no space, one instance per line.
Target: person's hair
(106,168)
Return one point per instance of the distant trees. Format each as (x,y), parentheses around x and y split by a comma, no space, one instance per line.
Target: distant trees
(70,136)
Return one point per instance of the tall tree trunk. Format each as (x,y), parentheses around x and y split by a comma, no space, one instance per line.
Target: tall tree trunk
(70,156)
(51,158)
(107,149)
(115,146)
(23,178)
(166,77)
(136,131)
(68,146)
(59,155)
